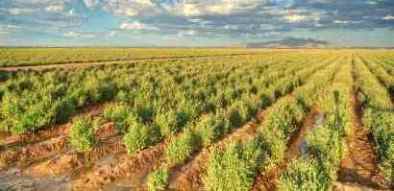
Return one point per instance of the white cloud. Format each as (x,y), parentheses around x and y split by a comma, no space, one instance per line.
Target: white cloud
(231,27)
(130,7)
(91,3)
(71,12)
(72,34)
(20,11)
(137,26)
(346,22)
(388,17)
(186,33)
(213,7)
(7,29)
(112,33)
(295,18)
(55,8)
(341,22)
(300,16)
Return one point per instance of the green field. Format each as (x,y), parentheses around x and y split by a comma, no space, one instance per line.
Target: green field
(207,119)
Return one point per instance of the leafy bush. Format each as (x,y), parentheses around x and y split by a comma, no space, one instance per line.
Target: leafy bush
(139,135)
(64,109)
(381,123)
(234,168)
(210,128)
(117,113)
(304,175)
(82,134)
(170,122)
(158,180)
(180,148)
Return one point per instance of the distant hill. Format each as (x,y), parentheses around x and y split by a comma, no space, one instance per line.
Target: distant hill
(290,42)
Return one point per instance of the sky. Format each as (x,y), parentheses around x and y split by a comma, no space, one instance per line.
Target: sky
(194,22)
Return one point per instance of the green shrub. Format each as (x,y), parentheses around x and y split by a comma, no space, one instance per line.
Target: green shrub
(64,109)
(139,135)
(170,122)
(274,145)
(234,168)
(304,175)
(158,180)
(381,125)
(235,119)
(118,113)
(82,134)
(210,127)
(180,148)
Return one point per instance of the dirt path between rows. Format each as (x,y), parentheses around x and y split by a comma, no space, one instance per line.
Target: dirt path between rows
(188,177)
(50,163)
(15,141)
(268,180)
(70,65)
(359,166)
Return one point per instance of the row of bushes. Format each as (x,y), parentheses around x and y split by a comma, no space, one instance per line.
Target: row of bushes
(213,126)
(43,56)
(378,116)
(33,100)
(235,168)
(325,144)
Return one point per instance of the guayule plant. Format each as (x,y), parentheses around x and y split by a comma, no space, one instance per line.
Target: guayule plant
(158,180)
(210,128)
(180,148)
(140,135)
(82,134)
(233,168)
(118,113)
(304,175)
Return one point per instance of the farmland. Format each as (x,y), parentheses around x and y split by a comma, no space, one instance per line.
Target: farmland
(196,119)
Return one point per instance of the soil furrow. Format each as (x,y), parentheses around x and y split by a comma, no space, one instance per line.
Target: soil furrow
(359,166)
(34,153)
(15,141)
(295,148)
(76,64)
(188,177)
(122,166)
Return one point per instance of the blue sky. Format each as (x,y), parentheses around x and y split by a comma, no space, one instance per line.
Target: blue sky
(194,22)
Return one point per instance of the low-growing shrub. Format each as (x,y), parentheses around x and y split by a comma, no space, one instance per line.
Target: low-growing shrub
(158,180)
(304,174)
(64,109)
(180,148)
(210,128)
(82,134)
(170,122)
(140,135)
(234,168)
(117,113)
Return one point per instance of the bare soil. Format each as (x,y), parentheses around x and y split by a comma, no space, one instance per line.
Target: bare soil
(360,163)
(85,64)
(12,141)
(120,166)
(189,176)
(51,162)
(295,147)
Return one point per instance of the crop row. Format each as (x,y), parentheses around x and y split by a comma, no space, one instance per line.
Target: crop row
(211,128)
(42,56)
(381,73)
(325,145)
(239,163)
(378,115)
(32,100)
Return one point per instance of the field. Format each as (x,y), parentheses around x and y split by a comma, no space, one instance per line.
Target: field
(196,119)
